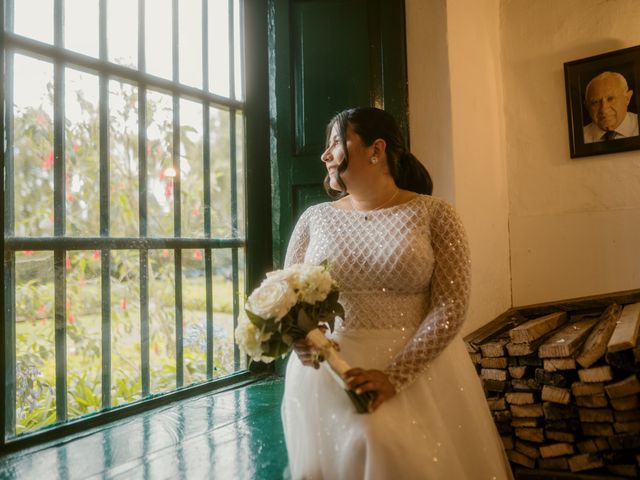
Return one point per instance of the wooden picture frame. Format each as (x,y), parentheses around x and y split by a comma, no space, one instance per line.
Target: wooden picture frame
(591,123)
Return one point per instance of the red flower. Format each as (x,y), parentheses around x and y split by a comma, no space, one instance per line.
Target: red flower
(47,162)
(41,118)
(195,212)
(66,187)
(72,319)
(197,254)
(123,303)
(28,252)
(96,254)
(76,148)
(168,189)
(68,263)
(165,253)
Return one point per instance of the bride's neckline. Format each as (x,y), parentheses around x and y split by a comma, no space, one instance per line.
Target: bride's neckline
(374,211)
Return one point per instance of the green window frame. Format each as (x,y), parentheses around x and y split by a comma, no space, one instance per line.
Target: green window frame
(247,118)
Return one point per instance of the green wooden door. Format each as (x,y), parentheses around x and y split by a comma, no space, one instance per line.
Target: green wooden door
(325,56)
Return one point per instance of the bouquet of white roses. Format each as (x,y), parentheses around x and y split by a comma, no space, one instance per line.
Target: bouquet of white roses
(289,305)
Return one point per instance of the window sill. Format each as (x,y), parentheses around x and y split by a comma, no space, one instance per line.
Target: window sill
(231,434)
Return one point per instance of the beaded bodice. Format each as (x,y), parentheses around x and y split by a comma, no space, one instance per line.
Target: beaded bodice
(404,267)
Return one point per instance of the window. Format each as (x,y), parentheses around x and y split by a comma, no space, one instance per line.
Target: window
(125,203)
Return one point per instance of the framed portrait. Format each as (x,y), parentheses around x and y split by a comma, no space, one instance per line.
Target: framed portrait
(603,101)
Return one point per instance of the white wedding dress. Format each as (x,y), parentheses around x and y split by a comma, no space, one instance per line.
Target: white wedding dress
(403,273)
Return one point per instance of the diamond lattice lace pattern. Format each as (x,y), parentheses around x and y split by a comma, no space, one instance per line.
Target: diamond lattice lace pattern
(404,267)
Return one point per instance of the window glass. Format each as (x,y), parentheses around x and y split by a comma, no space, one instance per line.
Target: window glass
(237,52)
(194,288)
(123,160)
(81,26)
(33,154)
(122,32)
(84,332)
(126,379)
(219,47)
(191,169)
(220,172)
(240,177)
(38,27)
(162,314)
(190,42)
(223,314)
(131,285)
(160,170)
(158,36)
(82,153)
(35,368)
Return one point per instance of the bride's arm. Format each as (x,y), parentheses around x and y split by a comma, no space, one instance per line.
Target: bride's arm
(450,288)
(299,241)
(296,250)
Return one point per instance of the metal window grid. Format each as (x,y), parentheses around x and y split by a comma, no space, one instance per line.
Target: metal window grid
(60,244)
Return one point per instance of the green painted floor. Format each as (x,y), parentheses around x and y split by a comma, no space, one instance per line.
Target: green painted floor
(231,435)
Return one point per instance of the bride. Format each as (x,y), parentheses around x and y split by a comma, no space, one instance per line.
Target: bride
(400,258)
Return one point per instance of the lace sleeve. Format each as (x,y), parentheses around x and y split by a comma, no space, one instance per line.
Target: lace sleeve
(449,298)
(299,241)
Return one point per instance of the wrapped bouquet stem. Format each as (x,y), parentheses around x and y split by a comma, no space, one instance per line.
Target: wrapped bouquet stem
(328,351)
(290,305)
(338,366)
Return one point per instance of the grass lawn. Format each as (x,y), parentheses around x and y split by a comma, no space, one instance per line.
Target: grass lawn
(35,348)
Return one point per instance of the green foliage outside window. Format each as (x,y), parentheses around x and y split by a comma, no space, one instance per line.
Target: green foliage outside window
(34,297)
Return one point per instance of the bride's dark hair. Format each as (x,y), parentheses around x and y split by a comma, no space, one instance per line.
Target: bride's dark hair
(370,124)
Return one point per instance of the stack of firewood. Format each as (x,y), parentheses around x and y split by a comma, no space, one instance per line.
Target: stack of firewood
(564,387)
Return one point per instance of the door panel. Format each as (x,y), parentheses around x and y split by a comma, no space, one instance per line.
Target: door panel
(326,55)
(330,66)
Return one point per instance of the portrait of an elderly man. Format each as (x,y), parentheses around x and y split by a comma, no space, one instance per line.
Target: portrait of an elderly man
(607,98)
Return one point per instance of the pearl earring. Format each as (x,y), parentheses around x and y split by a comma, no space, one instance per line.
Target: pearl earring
(373,160)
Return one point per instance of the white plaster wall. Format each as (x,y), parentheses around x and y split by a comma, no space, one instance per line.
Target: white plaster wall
(575,223)
(429,92)
(457,129)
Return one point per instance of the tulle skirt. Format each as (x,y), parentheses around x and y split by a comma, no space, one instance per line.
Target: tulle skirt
(437,428)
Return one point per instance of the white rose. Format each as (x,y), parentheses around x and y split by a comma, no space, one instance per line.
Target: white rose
(291,275)
(286,275)
(272,300)
(250,338)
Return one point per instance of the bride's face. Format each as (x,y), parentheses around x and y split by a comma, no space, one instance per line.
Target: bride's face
(334,155)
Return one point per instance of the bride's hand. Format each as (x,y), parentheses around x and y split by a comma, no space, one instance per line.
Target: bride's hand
(307,354)
(375,381)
